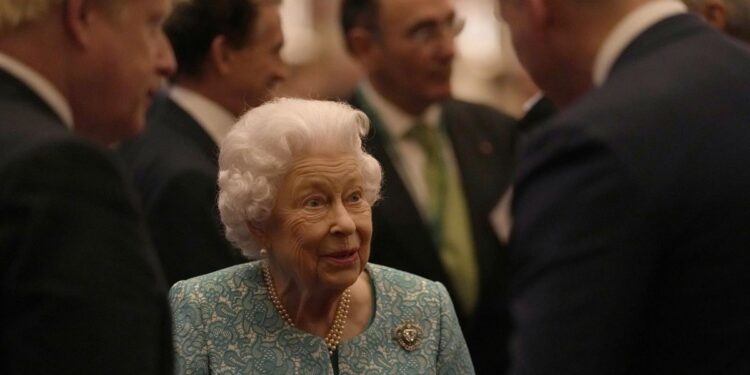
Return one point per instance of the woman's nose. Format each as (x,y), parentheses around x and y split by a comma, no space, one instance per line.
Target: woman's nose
(342,220)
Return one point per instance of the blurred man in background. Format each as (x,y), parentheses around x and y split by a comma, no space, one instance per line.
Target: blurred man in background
(629,243)
(446,162)
(82,290)
(729,16)
(228,61)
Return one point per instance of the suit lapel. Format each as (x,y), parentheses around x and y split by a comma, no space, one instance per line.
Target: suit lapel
(475,156)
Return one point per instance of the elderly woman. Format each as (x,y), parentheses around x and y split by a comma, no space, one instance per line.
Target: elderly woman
(295,180)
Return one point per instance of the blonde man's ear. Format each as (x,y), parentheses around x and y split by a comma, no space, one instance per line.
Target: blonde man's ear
(259,235)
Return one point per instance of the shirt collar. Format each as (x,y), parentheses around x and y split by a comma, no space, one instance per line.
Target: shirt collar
(396,121)
(532,101)
(41,86)
(212,117)
(635,23)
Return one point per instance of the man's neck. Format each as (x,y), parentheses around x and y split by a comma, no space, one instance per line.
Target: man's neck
(401,100)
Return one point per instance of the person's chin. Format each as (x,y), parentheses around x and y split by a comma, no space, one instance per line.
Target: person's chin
(126,130)
(440,90)
(134,127)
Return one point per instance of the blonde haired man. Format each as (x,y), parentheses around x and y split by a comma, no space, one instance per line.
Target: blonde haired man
(81,288)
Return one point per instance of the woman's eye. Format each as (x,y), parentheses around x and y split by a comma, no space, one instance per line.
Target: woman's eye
(355,197)
(313,203)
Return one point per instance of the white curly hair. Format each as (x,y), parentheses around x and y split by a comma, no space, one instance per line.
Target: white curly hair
(258,151)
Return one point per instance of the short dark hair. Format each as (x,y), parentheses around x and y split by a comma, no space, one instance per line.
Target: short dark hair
(358,13)
(194,24)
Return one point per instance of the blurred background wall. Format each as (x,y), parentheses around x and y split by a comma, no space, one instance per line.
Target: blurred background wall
(486,69)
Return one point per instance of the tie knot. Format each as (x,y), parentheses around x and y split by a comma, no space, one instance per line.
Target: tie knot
(428,138)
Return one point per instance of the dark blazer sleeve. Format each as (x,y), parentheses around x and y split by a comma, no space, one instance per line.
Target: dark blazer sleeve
(581,264)
(81,289)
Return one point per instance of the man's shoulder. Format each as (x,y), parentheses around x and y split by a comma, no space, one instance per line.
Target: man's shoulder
(166,123)
(28,134)
(172,143)
(469,120)
(461,109)
(24,121)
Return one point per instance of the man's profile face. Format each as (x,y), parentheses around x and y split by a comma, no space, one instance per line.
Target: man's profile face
(415,39)
(511,13)
(129,57)
(257,67)
(533,56)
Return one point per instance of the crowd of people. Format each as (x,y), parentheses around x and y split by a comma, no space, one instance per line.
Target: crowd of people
(161,212)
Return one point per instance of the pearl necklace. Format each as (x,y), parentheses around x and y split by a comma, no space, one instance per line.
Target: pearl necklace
(333,338)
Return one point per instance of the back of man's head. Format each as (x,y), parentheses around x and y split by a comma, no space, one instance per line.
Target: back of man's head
(729,16)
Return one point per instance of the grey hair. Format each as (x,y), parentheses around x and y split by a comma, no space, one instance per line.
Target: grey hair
(258,151)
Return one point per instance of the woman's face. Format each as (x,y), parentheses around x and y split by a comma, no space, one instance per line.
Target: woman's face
(319,231)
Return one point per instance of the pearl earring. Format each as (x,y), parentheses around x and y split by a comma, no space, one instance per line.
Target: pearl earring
(263,253)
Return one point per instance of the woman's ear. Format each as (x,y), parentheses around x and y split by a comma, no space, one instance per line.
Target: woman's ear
(258,233)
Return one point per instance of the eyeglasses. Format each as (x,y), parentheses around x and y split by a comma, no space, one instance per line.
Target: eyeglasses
(433,32)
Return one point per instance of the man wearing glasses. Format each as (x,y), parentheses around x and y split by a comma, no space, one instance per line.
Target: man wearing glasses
(446,162)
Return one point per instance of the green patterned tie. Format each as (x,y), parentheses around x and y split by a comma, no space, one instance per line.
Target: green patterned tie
(449,217)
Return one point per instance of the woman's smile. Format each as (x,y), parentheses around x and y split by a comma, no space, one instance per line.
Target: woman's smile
(344,258)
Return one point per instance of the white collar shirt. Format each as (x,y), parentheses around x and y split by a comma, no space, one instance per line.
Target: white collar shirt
(41,86)
(212,117)
(632,25)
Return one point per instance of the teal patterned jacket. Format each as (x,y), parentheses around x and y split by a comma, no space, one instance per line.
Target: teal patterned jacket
(224,323)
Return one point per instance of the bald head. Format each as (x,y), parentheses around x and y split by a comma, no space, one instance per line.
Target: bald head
(557,41)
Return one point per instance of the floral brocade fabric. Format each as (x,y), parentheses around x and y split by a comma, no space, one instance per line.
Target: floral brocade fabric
(225,323)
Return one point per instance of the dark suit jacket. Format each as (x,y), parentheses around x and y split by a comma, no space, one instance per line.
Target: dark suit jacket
(82,291)
(483,141)
(541,111)
(631,244)
(174,166)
